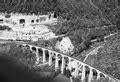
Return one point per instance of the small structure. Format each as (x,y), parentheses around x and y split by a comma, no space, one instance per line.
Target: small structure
(28,27)
(24,20)
(7,35)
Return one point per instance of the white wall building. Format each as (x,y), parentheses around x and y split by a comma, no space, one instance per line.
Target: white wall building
(22,21)
(28,27)
(7,35)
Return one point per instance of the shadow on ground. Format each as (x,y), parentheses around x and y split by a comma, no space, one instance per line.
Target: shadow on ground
(12,71)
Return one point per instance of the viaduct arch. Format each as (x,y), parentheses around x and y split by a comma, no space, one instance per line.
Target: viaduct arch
(77,68)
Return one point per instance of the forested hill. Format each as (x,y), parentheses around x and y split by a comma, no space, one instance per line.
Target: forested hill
(84,20)
(79,13)
(108,58)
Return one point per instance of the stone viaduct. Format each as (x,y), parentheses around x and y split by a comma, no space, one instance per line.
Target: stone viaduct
(77,68)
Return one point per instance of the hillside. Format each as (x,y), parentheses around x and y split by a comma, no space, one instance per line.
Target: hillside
(83,21)
(108,57)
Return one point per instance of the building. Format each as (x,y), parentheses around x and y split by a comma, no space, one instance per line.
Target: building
(24,21)
(28,27)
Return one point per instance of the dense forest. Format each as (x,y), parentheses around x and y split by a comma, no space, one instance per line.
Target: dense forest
(84,20)
(108,58)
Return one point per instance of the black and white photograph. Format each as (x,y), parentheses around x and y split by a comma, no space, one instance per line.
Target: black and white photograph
(59,40)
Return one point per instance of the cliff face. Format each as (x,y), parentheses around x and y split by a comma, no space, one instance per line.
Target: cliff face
(65,45)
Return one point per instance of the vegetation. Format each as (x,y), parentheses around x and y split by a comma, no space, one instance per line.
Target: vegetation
(85,20)
(108,58)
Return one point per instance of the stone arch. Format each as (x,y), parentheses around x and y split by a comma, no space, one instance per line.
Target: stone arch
(47,54)
(27,47)
(94,73)
(54,54)
(67,72)
(60,59)
(19,46)
(66,61)
(87,69)
(40,50)
(102,75)
(87,72)
(33,48)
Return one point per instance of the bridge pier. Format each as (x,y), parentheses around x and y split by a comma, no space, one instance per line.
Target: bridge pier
(90,76)
(63,65)
(30,48)
(72,63)
(75,74)
(71,79)
(37,56)
(69,62)
(50,58)
(56,62)
(98,75)
(44,56)
(83,74)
